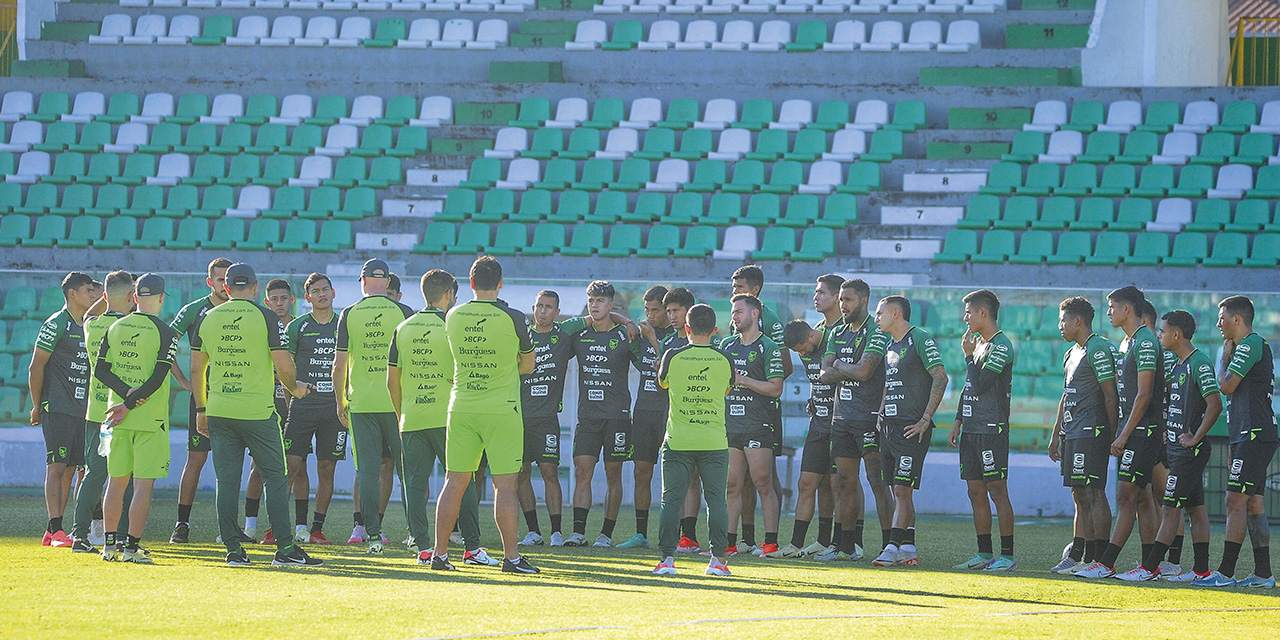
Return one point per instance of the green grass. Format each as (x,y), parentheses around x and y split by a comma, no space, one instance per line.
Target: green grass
(606,593)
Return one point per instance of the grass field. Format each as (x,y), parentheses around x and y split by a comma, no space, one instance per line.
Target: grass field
(586,593)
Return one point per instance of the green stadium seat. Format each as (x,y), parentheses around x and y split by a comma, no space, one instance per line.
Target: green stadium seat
(227,233)
(1019,212)
(762,210)
(93,137)
(245,169)
(510,238)
(214,31)
(40,199)
(214,202)
(809,146)
(1111,248)
(190,107)
(375,140)
(695,144)
(681,114)
(1189,249)
(56,137)
(1193,182)
(533,113)
(1056,213)
(626,35)
(699,242)
(801,212)
(810,36)
(76,199)
(120,232)
(709,175)
(548,238)
(192,233)
(770,145)
(436,237)
(1149,249)
(1161,116)
(53,105)
(606,113)
(1229,249)
(777,244)
(1002,179)
(748,177)
(1042,179)
(832,115)
(1019,319)
(164,137)
(1211,215)
(1086,115)
(863,178)
(817,244)
(299,235)
(586,239)
(1134,215)
(357,204)
(558,174)
(24,336)
(1073,248)
(389,30)
(123,105)
(200,137)
(1033,248)
(662,241)
(498,204)
(410,142)
(839,211)
(624,240)
(258,109)
(785,177)
(1251,216)
(286,202)
(137,168)
(1267,183)
(958,246)
(886,146)
(597,173)
(1237,117)
(1117,181)
(49,230)
(156,232)
(304,140)
(610,205)
(997,246)
(66,168)
(1047,327)
(535,206)
(322,203)
(1154,182)
(329,110)
(10,196)
(109,201)
(263,234)
(658,144)
(633,174)
(335,235)
(546,143)
(1139,147)
(1026,148)
(686,208)
(572,207)
(146,200)
(208,169)
(1266,252)
(1215,148)
(269,138)
(1078,180)
(1255,149)
(11,405)
(756,115)
(1103,146)
(908,115)
(725,210)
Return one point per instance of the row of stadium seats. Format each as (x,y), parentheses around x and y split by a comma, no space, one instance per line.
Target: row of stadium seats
(1111,248)
(777,35)
(176,168)
(225,108)
(1135,214)
(320,31)
(682,209)
(1123,116)
(748,176)
(1156,181)
(720,113)
(846,145)
(496,6)
(190,233)
(1177,148)
(186,200)
(798,6)
(233,139)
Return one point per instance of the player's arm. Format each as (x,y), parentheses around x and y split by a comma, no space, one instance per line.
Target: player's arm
(526,361)
(1111,400)
(278,343)
(103,373)
(200,388)
(1147,353)
(932,358)
(393,371)
(664,365)
(339,372)
(1237,363)
(1055,453)
(35,381)
(871,360)
(830,373)
(175,370)
(97,308)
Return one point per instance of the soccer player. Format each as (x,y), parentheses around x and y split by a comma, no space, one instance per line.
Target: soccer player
(119,302)
(1139,383)
(854,362)
(817,469)
(1248,381)
(1160,473)
(134,360)
(981,430)
(386,477)
(187,323)
(241,350)
(279,298)
(750,419)
(393,288)
(649,417)
(605,352)
(1087,414)
(677,302)
(698,379)
(312,338)
(419,378)
(360,384)
(912,363)
(58,380)
(486,337)
(1194,406)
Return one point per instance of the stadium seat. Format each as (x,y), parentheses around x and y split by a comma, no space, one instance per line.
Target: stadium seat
(739,242)
(1073,248)
(1171,216)
(1189,249)
(1033,248)
(1229,249)
(777,244)
(958,246)
(1122,116)
(1233,181)
(1199,117)
(1266,249)
(997,246)
(886,35)
(963,36)
(925,35)
(1149,249)
(1063,147)
(1111,248)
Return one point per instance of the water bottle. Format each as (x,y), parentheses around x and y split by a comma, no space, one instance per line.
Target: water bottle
(104,437)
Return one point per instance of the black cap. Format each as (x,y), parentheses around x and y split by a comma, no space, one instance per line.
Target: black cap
(149,284)
(374,268)
(240,274)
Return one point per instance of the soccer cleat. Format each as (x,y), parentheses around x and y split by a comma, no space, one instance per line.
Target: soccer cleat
(97,532)
(317,537)
(83,546)
(753,549)
(268,538)
(557,539)
(237,559)
(424,557)
(1002,564)
(857,552)
(908,558)
(521,565)
(792,551)
(531,539)
(358,535)
(717,568)
(181,533)
(1095,571)
(575,540)
(296,557)
(1254,582)
(375,548)
(301,534)
(251,533)
(58,538)
(1067,566)
(47,540)
(456,538)
(603,541)
(111,552)
(832,554)
(813,549)
(441,563)
(1138,574)
(687,546)
(887,558)
(1189,576)
(665,568)
(480,557)
(1214,579)
(1169,569)
(770,550)
(638,541)
(136,556)
(730,551)
(976,562)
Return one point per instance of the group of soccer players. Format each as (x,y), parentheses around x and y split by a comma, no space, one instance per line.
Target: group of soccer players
(480,385)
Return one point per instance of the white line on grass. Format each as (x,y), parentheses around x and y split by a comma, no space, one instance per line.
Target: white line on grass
(498,634)
(831,617)
(1078,611)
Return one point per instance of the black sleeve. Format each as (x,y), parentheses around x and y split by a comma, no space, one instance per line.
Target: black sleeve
(521,326)
(102,371)
(149,387)
(983,378)
(275,329)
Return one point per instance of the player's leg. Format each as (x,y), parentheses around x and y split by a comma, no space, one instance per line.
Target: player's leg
(253,501)
(524,485)
(227,449)
(806,504)
(713,468)
(506,512)
(266,446)
(504,449)
(734,488)
(367,439)
(1260,537)
(465,448)
(113,506)
(300,483)
(468,522)
(872,462)
(760,464)
(553,495)
(417,462)
(89,491)
(358,533)
(386,484)
(139,510)
(588,444)
(393,449)
(689,517)
(616,451)
(747,514)
(677,468)
(828,497)
(999,492)
(852,502)
(58,442)
(325,471)
(1082,540)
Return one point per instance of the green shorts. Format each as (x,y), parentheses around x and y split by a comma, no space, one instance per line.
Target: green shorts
(470,436)
(142,454)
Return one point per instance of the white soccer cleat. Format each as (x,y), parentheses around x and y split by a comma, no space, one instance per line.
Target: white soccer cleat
(1139,574)
(887,558)
(479,557)
(456,538)
(754,549)
(717,568)
(575,540)
(812,550)
(603,541)
(301,534)
(358,535)
(1169,569)
(557,539)
(908,558)
(791,551)
(1190,576)
(375,547)
(665,568)
(251,531)
(1095,571)
(97,533)
(531,539)
(1067,566)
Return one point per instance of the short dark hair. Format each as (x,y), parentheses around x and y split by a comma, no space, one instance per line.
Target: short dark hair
(486,273)
(436,283)
(1129,295)
(547,293)
(119,282)
(75,280)
(313,279)
(680,296)
(986,299)
(751,301)
(859,286)
(831,281)
(795,332)
(218,263)
(901,303)
(601,288)
(1240,306)
(394,284)
(655,293)
(752,273)
(279,283)
(1078,307)
(701,320)
(1147,310)
(1182,321)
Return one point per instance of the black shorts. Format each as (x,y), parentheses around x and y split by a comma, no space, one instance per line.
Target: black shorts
(906,455)
(854,438)
(63,438)
(1085,460)
(542,440)
(610,438)
(1247,471)
(195,441)
(817,449)
(319,423)
(1185,487)
(648,429)
(984,456)
(1139,457)
(777,431)
(758,438)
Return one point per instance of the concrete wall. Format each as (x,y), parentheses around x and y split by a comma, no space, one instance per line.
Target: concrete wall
(1157,43)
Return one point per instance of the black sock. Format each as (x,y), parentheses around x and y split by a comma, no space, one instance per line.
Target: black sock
(531,520)
(1151,561)
(555,522)
(824,531)
(300,509)
(1175,550)
(798,532)
(111,539)
(1109,556)
(911,536)
(984,543)
(1230,553)
(580,520)
(1200,551)
(857,532)
(690,526)
(251,507)
(886,536)
(97,511)
(1146,551)
(771,537)
(837,531)
(1006,546)
(358,517)
(55,524)
(1077,549)
(897,536)
(847,543)
(317,522)
(733,539)
(1262,562)
(1090,551)
(749,535)
(184,513)
(132,542)
(607,529)
(642,522)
